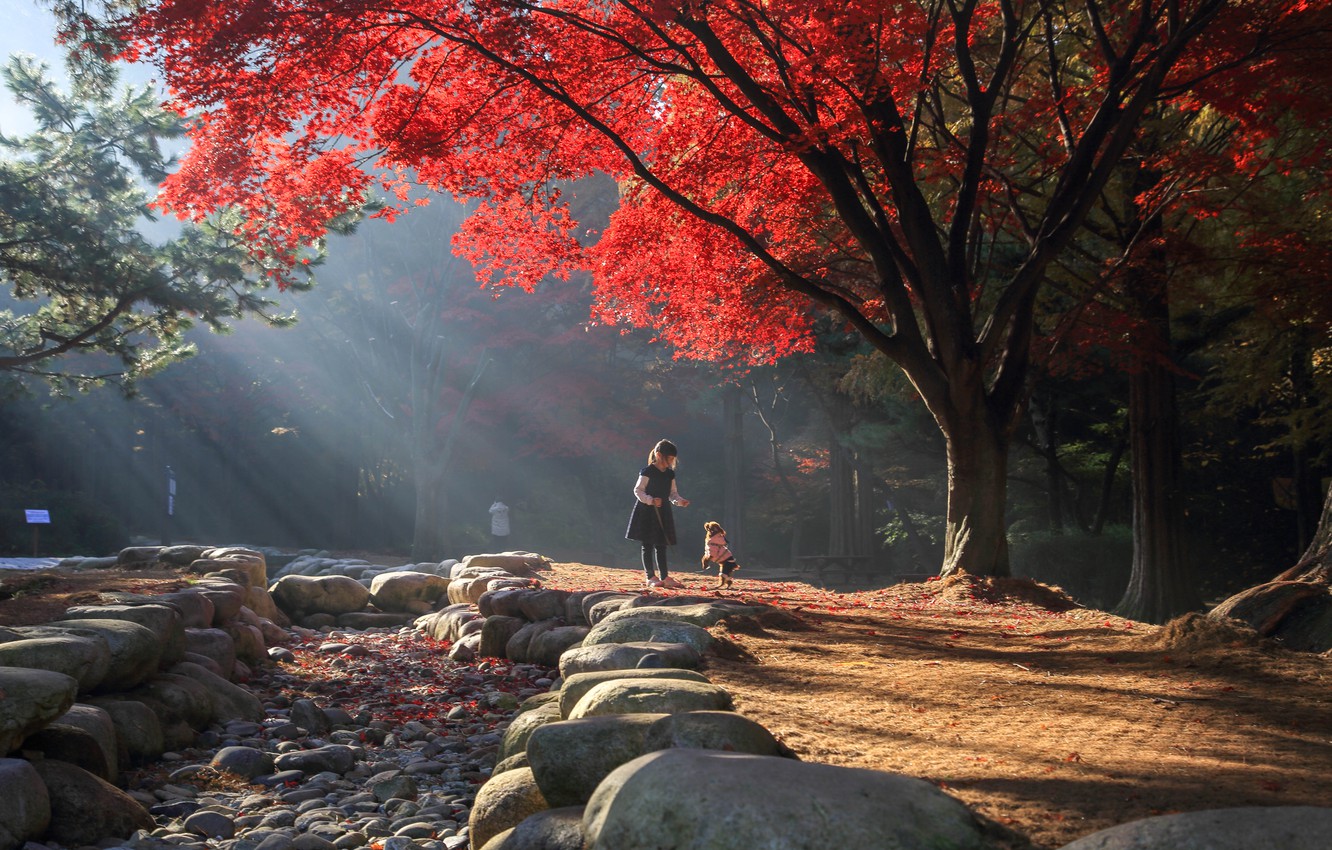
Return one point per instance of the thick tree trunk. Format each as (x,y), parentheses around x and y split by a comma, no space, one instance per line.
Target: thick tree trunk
(1160,585)
(975,539)
(1296,606)
(841,500)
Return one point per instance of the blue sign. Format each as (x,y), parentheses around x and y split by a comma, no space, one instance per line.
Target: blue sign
(35,517)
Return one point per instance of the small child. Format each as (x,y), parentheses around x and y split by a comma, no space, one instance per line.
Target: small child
(717,551)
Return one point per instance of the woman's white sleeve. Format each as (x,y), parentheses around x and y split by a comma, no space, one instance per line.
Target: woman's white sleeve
(640,490)
(675,494)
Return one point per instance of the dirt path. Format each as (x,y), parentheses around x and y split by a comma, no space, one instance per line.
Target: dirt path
(1056,722)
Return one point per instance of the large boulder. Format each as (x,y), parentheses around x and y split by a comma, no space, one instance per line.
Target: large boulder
(299,596)
(521,728)
(708,800)
(185,698)
(64,742)
(516,563)
(569,758)
(163,620)
(25,806)
(87,810)
(97,723)
(215,644)
(230,701)
(703,614)
(552,829)
(397,591)
(196,610)
(547,647)
(31,700)
(84,657)
(618,656)
(448,622)
(496,632)
(713,730)
(335,758)
(515,649)
(138,730)
(602,603)
(578,684)
(617,629)
(136,650)
(654,696)
(538,605)
(1247,828)
(503,803)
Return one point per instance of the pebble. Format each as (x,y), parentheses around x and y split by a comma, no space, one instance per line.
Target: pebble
(398,765)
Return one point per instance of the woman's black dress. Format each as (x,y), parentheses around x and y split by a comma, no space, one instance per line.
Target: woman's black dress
(650,525)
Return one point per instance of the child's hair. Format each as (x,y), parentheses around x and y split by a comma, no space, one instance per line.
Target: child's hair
(713,528)
(663,447)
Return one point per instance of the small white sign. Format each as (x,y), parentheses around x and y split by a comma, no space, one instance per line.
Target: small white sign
(36,517)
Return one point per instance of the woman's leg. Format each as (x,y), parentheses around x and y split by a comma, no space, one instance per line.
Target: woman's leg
(649,561)
(661,561)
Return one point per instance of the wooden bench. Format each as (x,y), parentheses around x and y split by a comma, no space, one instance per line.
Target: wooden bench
(849,564)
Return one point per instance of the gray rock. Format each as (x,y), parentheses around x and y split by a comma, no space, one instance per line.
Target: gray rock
(505,602)
(702,614)
(495,635)
(162,620)
(537,605)
(32,699)
(300,596)
(713,730)
(395,591)
(515,737)
(74,745)
(401,787)
(25,807)
(621,656)
(97,723)
(504,802)
(657,696)
(230,701)
(335,758)
(1248,828)
(216,644)
(138,730)
(569,758)
(553,829)
(135,649)
(210,824)
(616,629)
(85,657)
(245,762)
(578,684)
(706,800)
(187,698)
(598,605)
(547,647)
(516,647)
(196,610)
(85,809)
(310,717)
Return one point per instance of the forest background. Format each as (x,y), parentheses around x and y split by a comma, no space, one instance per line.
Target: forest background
(408,397)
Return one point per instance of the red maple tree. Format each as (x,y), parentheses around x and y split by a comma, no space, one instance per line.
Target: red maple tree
(915,167)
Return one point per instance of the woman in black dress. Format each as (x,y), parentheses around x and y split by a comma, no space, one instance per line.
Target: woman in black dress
(652,523)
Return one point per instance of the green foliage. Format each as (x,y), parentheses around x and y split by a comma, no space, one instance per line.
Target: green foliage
(89,297)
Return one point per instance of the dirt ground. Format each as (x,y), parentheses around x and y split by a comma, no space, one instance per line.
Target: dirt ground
(1054,720)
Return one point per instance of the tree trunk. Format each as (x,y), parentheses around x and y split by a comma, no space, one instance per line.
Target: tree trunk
(1294,608)
(841,500)
(733,460)
(975,539)
(1160,584)
(1044,415)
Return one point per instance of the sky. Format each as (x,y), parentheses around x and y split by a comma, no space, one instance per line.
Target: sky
(26,27)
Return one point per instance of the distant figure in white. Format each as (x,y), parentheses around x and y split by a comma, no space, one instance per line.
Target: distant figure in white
(499,524)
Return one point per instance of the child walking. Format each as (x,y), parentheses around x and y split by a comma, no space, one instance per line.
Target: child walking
(652,523)
(717,551)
